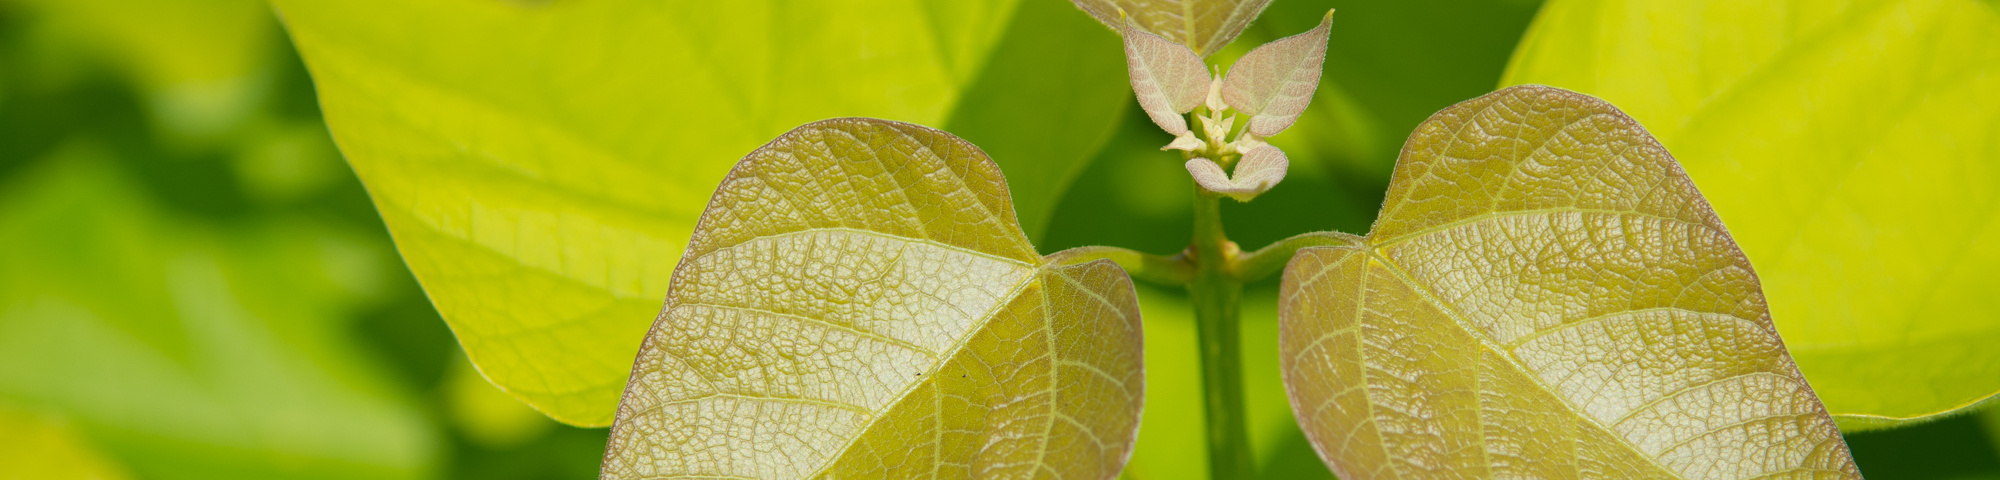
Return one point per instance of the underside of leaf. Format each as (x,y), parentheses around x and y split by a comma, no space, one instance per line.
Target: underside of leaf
(1545,295)
(1167,77)
(1274,83)
(1259,170)
(858,301)
(1853,153)
(1203,25)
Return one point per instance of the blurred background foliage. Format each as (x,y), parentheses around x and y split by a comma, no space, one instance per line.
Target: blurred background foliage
(193,285)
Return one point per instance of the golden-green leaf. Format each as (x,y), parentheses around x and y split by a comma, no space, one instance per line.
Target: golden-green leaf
(1545,295)
(1854,149)
(859,301)
(1203,25)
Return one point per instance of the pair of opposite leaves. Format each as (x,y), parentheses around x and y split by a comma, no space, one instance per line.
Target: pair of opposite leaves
(1545,294)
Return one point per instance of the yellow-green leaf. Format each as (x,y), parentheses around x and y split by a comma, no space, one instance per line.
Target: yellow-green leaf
(858,301)
(1203,25)
(1545,295)
(541,164)
(37,447)
(1853,147)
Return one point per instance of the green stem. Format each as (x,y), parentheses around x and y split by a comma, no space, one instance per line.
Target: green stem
(1175,271)
(1265,261)
(1216,294)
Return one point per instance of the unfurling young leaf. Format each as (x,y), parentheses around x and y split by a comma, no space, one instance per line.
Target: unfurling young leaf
(1168,78)
(1545,295)
(1203,25)
(859,302)
(1260,169)
(1274,83)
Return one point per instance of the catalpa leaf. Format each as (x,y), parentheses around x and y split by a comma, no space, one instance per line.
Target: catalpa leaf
(858,302)
(1274,83)
(1258,171)
(1852,149)
(1168,78)
(1545,295)
(1202,25)
(541,164)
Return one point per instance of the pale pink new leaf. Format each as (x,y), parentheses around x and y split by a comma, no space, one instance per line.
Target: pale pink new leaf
(1260,169)
(1168,78)
(1274,83)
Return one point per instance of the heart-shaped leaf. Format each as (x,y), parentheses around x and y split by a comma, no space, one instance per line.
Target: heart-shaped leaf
(858,301)
(541,164)
(1258,171)
(1202,25)
(1545,295)
(1853,148)
(1168,78)
(1274,83)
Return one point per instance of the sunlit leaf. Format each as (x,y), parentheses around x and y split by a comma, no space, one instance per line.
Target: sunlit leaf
(190,350)
(1258,171)
(1545,295)
(1851,147)
(1168,78)
(859,297)
(1274,83)
(1203,25)
(541,164)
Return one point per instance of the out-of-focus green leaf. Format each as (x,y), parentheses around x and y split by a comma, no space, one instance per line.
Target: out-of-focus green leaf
(35,447)
(487,415)
(1951,448)
(190,350)
(1544,295)
(1989,419)
(1202,25)
(1853,148)
(541,166)
(203,64)
(286,161)
(859,297)
(1050,97)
